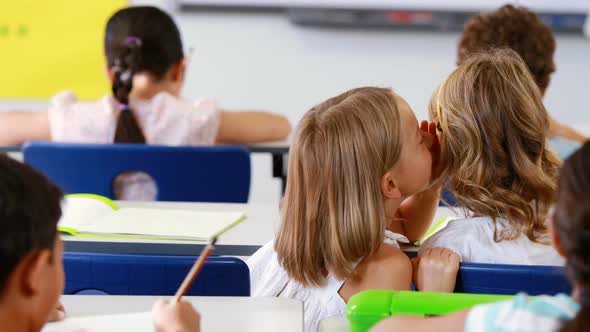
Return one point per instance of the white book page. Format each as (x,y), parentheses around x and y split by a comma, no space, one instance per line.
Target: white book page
(80,212)
(141,321)
(165,223)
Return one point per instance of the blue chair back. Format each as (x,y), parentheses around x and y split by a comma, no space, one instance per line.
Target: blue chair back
(197,174)
(511,279)
(122,274)
(447,198)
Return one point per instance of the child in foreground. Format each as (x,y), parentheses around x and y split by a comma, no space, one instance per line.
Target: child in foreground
(31,273)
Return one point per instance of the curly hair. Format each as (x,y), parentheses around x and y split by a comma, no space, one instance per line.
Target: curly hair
(516,28)
(493,137)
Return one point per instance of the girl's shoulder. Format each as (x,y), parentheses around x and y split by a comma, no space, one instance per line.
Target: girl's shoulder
(164,101)
(67,101)
(74,120)
(387,268)
(464,229)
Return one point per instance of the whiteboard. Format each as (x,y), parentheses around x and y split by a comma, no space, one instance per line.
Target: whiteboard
(553,6)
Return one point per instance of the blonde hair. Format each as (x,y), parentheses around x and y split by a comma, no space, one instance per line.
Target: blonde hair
(332,213)
(494,152)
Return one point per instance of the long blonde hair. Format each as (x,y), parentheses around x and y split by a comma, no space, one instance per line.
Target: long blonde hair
(494,127)
(332,213)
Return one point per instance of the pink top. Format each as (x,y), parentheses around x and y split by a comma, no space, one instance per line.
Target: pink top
(164,119)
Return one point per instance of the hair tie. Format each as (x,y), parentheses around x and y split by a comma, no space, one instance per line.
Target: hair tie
(132,41)
(123,107)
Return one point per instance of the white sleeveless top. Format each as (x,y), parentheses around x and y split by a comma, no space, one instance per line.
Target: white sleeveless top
(473,240)
(164,119)
(269,279)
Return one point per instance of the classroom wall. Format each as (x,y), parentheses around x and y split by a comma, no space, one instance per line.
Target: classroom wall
(262,61)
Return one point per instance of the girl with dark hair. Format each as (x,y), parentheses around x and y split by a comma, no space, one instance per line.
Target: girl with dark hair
(146,65)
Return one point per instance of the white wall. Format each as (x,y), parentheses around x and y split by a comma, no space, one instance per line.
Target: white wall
(262,61)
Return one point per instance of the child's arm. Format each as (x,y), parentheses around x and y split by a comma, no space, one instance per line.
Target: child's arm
(417,212)
(448,323)
(387,268)
(559,129)
(175,317)
(434,271)
(252,127)
(19,127)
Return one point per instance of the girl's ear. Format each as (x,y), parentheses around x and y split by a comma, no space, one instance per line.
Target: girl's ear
(33,272)
(178,70)
(109,73)
(555,240)
(389,188)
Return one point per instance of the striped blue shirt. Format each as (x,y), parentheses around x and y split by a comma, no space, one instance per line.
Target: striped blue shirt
(523,314)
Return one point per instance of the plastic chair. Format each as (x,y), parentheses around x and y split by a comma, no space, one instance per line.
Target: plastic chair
(511,279)
(198,174)
(448,198)
(93,273)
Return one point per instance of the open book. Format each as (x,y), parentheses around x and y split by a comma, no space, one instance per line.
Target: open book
(96,216)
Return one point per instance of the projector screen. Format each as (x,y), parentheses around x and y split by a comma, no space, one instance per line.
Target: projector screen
(552,6)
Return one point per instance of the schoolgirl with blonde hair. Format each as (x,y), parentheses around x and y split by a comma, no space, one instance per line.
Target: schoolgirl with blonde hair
(492,128)
(356,164)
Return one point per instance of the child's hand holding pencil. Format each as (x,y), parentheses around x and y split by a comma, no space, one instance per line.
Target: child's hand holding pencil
(175,316)
(179,315)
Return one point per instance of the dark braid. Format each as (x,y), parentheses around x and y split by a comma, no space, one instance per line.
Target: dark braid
(572,223)
(125,67)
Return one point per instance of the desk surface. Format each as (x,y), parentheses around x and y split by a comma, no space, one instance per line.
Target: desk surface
(243,240)
(217,313)
(274,147)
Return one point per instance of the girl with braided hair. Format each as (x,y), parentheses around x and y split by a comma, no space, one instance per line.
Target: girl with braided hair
(146,65)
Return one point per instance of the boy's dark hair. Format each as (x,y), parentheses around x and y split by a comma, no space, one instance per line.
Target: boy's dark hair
(572,223)
(30,208)
(517,28)
(137,39)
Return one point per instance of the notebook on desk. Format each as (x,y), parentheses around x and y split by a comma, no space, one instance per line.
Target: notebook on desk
(89,215)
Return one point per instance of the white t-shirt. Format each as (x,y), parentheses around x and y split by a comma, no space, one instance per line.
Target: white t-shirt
(473,240)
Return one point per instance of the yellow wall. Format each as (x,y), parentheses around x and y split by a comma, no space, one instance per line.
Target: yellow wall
(50,45)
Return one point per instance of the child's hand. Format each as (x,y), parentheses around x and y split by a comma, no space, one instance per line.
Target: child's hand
(436,270)
(59,313)
(430,128)
(177,317)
